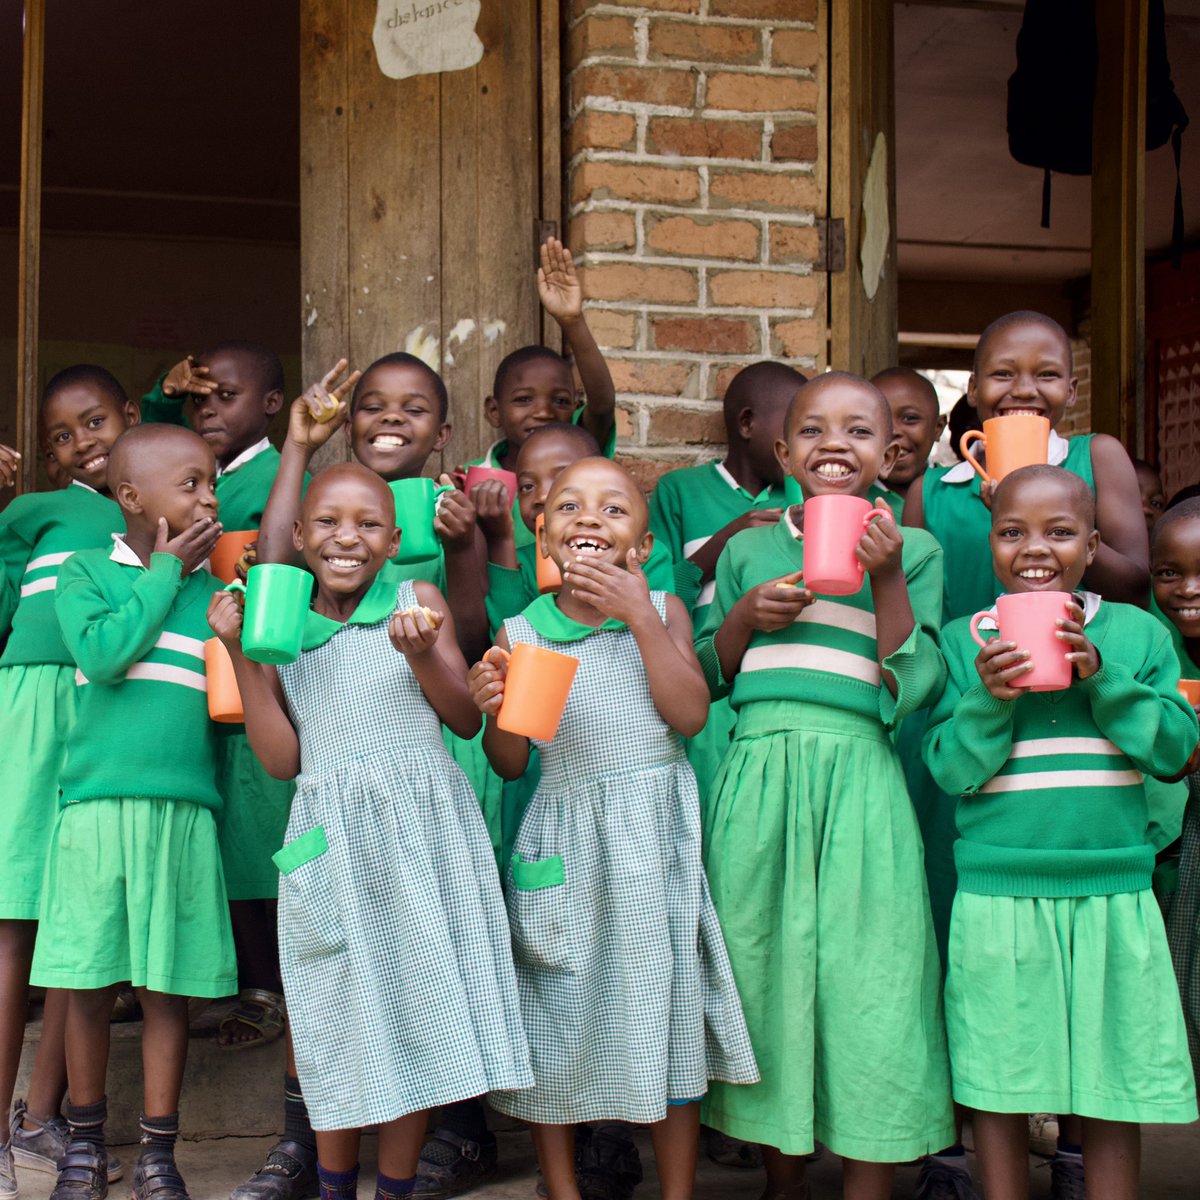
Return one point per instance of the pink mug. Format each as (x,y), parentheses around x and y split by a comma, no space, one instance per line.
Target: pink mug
(833,526)
(477,475)
(1027,619)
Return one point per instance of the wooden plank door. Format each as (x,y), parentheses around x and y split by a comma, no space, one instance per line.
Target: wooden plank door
(420,198)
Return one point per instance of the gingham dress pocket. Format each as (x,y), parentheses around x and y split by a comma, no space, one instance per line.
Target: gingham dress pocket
(307,890)
(539,911)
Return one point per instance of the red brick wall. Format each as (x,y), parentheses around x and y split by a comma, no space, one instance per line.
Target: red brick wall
(691,151)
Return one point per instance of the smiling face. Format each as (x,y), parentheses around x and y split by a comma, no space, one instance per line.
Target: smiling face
(80,423)
(1023,368)
(167,473)
(596,512)
(1175,574)
(534,393)
(917,423)
(541,461)
(397,421)
(838,437)
(1043,531)
(347,529)
(235,415)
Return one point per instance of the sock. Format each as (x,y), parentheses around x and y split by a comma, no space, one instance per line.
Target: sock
(387,1188)
(1066,1150)
(86,1121)
(296,1125)
(467,1119)
(954,1157)
(338,1185)
(159,1133)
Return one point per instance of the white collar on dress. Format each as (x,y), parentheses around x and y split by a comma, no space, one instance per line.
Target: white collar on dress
(964,472)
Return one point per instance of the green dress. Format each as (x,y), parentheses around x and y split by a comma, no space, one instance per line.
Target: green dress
(626,991)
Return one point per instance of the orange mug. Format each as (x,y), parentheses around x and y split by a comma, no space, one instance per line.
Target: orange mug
(1009,443)
(229,549)
(549,577)
(536,686)
(1190,690)
(224,699)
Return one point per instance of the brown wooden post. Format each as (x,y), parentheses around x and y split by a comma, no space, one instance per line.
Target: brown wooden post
(29,243)
(1118,223)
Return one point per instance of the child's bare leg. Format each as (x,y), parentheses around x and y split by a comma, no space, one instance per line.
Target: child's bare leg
(337,1149)
(16,953)
(555,1146)
(676,1141)
(256,939)
(87,1034)
(48,1083)
(867,1180)
(785,1174)
(1002,1148)
(400,1144)
(164,1050)
(1112,1156)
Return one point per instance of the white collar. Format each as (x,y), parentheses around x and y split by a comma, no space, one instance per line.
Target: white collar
(87,487)
(122,553)
(723,471)
(245,456)
(1089,600)
(1056,455)
(491,458)
(791,525)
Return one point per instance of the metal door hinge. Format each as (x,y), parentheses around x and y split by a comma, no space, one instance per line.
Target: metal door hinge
(831,244)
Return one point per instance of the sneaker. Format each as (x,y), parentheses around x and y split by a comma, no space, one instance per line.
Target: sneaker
(81,1173)
(937,1181)
(156,1177)
(8,1174)
(607,1163)
(41,1148)
(290,1173)
(1066,1178)
(451,1164)
(1043,1134)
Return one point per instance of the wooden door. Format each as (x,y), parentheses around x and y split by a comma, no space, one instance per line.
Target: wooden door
(420,198)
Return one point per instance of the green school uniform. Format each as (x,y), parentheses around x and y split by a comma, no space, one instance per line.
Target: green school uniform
(814,860)
(1059,991)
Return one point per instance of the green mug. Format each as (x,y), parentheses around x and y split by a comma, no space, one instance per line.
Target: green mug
(277,603)
(416,506)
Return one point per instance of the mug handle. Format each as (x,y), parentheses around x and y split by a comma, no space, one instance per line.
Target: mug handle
(881,509)
(975,625)
(439,490)
(236,586)
(974,435)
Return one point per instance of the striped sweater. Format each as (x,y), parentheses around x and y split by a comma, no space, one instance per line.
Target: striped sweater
(1052,784)
(137,636)
(828,655)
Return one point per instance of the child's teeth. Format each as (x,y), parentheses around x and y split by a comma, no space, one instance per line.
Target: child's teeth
(387,439)
(833,470)
(1189,613)
(1036,573)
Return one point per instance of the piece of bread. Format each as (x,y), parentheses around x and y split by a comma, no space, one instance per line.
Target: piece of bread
(434,619)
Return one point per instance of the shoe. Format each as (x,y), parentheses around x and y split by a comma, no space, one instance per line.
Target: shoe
(1043,1134)
(82,1173)
(937,1181)
(8,1174)
(40,1149)
(451,1164)
(729,1152)
(1066,1179)
(290,1173)
(156,1177)
(607,1163)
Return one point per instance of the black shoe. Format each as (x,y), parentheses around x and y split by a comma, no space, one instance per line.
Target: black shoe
(607,1163)
(82,1173)
(451,1164)
(290,1173)
(156,1177)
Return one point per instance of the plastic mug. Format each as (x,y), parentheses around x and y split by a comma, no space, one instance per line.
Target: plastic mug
(549,577)
(1027,619)
(277,603)
(229,549)
(1190,690)
(536,688)
(477,475)
(833,526)
(1009,443)
(416,506)
(224,699)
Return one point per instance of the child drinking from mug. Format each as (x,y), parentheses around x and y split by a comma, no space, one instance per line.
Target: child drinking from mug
(625,986)
(1059,991)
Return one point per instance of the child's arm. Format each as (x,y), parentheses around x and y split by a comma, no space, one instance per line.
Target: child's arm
(105,642)
(672,670)
(705,559)
(10,464)
(272,735)
(15,552)
(465,572)
(436,660)
(313,419)
(1121,568)
(562,298)
(163,403)
(507,752)
(493,512)
(879,550)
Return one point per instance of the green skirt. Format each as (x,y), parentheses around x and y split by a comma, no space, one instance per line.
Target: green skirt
(134,891)
(1183,922)
(814,861)
(253,820)
(38,703)
(1066,1006)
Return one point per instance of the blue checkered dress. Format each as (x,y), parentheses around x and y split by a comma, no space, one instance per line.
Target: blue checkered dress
(392,933)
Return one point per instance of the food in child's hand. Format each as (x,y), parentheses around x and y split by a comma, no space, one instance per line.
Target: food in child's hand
(434,619)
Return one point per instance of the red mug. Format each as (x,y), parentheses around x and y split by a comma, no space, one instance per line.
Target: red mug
(477,475)
(833,526)
(1028,620)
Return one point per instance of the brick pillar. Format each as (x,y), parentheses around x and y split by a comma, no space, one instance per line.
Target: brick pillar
(692,146)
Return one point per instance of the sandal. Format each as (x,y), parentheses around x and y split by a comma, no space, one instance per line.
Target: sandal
(257,1009)
(82,1173)
(156,1177)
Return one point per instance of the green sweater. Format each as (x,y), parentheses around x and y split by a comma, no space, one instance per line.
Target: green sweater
(38,533)
(828,655)
(1053,801)
(138,637)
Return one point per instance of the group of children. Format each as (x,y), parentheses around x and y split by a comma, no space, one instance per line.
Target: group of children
(814,868)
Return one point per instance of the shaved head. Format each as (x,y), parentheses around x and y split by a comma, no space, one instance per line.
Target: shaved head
(615,476)
(141,448)
(341,474)
(830,379)
(1041,476)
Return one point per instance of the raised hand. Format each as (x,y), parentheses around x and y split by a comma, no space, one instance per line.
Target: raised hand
(558,285)
(193,546)
(319,411)
(185,378)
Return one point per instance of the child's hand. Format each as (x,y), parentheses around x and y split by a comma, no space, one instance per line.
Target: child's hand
(455,520)
(558,285)
(225,618)
(1084,655)
(998,664)
(622,595)
(414,631)
(315,415)
(10,463)
(485,682)
(774,605)
(880,547)
(193,546)
(249,558)
(493,510)
(185,378)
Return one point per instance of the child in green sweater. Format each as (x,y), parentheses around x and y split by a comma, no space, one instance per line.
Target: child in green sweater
(83,411)
(1059,993)
(133,886)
